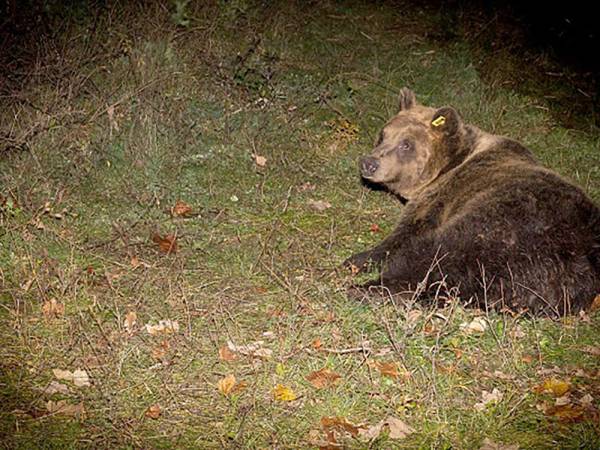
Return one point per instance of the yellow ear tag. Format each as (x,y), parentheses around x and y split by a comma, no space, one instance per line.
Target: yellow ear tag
(441,120)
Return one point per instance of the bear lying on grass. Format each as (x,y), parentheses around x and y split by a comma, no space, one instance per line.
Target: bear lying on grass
(482,215)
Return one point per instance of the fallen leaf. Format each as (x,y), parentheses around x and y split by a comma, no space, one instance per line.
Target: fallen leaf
(56,388)
(488,444)
(398,429)
(477,326)
(566,413)
(166,326)
(374,228)
(225,385)
(562,401)
(79,377)
(554,386)
(63,374)
(339,423)
(255,349)
(52,308)
(586,400)
(488,398)
(371,433)
(159,352)
(388,369)
(166,244)
(130,321)
(239,386)
(319,205)
(260,161)
(181,209)
(316,439)
(284,393)
(226,355)
(154,411)
(135,262)
(62,407)
(316,344)
(323,378)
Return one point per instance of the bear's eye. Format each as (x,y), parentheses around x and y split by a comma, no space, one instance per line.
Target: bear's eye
(404,145)
(379,139)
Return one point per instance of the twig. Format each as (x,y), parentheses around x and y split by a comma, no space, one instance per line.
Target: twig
(345,351)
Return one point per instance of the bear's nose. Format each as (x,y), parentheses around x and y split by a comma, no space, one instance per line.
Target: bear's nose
(368,166)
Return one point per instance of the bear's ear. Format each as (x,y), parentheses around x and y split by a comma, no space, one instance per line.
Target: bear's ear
(446,120)
(407,99)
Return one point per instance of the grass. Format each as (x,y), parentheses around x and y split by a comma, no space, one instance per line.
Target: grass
(123,112)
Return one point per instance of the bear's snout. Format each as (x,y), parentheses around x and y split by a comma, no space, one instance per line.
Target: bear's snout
(368,166)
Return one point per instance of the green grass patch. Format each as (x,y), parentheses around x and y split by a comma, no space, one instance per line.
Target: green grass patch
(174,103)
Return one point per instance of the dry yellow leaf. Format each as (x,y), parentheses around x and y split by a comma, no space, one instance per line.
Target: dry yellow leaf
(284,393)
(554,386)
(225,385)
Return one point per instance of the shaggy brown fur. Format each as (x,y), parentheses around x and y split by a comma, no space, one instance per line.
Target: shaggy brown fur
(502,228)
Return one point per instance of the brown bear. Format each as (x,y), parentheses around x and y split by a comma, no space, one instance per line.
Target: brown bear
(481,215)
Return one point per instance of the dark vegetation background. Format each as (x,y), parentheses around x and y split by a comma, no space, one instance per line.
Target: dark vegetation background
(549,49)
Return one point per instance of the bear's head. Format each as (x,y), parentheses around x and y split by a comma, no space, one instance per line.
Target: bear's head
(416,146)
